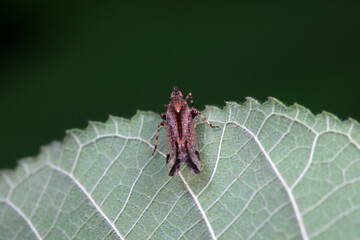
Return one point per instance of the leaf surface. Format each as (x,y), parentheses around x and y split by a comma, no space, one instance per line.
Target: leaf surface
(269,172)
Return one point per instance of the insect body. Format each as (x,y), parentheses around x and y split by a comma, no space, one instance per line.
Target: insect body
(180,123)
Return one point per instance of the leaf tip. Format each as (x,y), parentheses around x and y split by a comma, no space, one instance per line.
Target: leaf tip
(251,99)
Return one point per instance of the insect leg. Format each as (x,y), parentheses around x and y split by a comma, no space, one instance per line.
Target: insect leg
(163,116)
(196,112)
(195,117)
(191,99)
(157,136)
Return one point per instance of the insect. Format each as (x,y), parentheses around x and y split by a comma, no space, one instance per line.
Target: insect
(180,123)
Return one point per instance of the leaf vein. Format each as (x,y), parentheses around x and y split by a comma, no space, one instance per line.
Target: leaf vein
(28,221)
(82,188)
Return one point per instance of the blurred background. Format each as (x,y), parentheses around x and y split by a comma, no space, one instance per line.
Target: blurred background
(62,64)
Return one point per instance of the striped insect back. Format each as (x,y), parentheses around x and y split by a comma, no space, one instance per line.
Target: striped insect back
(180,123)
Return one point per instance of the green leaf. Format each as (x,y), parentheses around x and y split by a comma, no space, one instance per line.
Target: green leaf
(269,172)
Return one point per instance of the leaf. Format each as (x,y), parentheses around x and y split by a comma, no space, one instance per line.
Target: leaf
(269,171)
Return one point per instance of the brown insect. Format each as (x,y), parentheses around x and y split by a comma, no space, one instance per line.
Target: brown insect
(180,123)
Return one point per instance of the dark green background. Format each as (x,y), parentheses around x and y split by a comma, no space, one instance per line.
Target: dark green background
(62,64)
